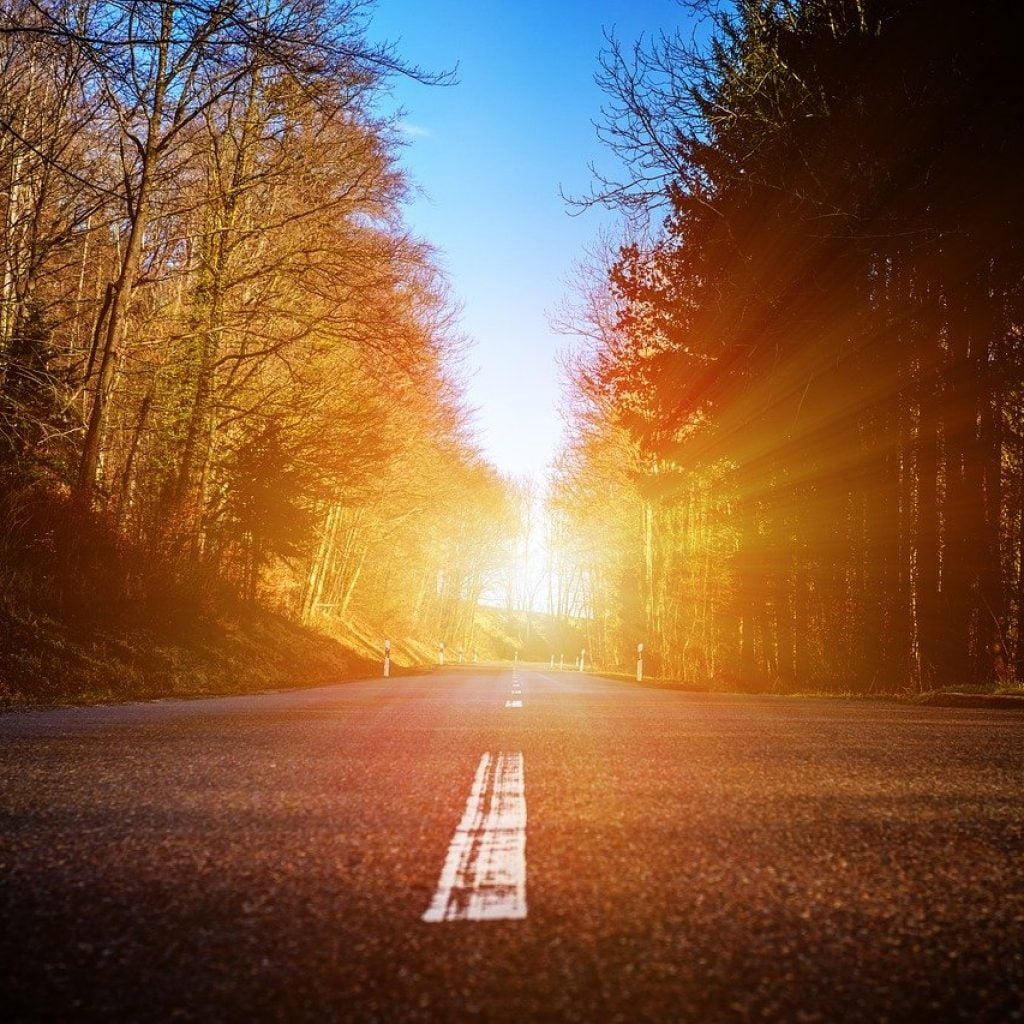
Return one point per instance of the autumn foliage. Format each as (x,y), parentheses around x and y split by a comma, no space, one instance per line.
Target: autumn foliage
(225,364)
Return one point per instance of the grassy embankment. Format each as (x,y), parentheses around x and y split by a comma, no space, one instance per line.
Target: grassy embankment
(1005,695)
(110,651)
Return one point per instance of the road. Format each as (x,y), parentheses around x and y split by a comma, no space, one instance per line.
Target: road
(652,855)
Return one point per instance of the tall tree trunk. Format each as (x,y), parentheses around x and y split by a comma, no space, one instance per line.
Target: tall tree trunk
(121,296)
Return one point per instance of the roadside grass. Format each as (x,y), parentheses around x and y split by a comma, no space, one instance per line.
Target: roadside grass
(996,695)
(1008,689)
(46,660)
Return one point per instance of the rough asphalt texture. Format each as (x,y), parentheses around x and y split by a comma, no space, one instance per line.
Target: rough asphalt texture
(689,858)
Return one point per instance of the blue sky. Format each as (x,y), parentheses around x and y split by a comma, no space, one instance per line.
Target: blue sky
(490,155)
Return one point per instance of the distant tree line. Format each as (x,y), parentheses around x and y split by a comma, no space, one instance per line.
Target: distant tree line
(223,359)
(799,456)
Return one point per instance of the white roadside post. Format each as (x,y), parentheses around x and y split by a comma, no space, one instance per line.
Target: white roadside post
(387,658)
(475,655)
(561,663)
(639,663)
(462,655)
(552,661)
(516,661)
(583,658)
(440,654)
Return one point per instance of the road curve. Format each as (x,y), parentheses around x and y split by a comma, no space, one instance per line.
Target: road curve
(683,857)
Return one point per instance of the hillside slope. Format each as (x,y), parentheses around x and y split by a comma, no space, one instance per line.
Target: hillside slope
(48,660)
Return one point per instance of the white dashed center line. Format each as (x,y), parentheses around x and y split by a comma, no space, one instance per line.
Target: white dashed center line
(484,874)
(517,693)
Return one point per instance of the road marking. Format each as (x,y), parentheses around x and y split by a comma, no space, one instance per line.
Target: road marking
(484,874)
(517,694)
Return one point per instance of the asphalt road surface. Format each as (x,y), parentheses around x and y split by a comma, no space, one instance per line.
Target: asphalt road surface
(498,846)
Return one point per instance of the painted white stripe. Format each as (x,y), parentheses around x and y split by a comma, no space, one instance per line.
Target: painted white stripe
(484,874)
(513,703)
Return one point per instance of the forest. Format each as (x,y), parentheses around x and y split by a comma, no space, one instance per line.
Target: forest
(228,372)
(798,448)
(232,377)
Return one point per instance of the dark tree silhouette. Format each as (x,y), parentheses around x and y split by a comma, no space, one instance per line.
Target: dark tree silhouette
(828,320)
